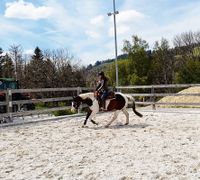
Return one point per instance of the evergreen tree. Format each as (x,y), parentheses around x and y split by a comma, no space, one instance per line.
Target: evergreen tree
(1,61)
(7,67)
(35,70)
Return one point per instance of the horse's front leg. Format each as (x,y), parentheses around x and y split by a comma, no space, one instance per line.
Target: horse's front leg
(94,112)
(90,115)
(87,116)
(116,113)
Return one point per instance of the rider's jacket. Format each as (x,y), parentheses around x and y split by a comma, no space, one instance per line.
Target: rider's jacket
(103,85)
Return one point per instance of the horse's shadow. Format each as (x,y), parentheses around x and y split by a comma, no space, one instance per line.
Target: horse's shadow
(122,126)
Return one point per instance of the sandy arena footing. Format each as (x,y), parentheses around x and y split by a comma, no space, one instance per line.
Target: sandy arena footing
(157,146)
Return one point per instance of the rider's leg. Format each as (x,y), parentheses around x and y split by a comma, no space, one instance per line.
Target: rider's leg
(103,99)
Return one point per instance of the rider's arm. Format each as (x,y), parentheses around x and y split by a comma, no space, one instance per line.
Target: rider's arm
(98,86)
(101,85)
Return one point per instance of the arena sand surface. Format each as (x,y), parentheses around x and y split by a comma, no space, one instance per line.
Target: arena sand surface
(158,146)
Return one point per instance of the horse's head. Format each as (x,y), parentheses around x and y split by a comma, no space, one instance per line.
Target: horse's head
(76,103)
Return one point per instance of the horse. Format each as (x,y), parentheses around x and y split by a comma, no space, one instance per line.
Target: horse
(118,103)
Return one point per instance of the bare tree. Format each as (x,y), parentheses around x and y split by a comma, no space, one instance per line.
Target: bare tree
(15,52)
(68,70)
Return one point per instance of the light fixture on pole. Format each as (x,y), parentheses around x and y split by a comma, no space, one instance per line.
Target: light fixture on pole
(114,13)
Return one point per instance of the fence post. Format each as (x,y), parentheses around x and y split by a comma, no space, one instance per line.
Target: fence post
(9,104)
(79,90)
(153,98)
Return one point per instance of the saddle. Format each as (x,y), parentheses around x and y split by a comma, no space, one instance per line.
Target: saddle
(111,95)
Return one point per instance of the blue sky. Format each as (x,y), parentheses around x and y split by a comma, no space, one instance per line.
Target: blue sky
(83,27)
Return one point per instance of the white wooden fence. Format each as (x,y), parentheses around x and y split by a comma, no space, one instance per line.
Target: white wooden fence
(152,95)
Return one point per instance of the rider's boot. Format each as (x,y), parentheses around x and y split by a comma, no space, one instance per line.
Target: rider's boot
(103,108)
(100,105)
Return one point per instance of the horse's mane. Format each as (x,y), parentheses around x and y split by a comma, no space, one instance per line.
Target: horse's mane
(87,95)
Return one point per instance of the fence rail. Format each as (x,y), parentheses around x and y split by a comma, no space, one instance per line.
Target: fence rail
(158,86)
(154,95)
(9,103)
(162,94)
(42,100)
(43,90)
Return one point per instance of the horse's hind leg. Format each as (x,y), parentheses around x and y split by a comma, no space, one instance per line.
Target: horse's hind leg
(116,113)
(127,116)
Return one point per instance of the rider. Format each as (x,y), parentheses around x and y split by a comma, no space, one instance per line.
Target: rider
(102,89)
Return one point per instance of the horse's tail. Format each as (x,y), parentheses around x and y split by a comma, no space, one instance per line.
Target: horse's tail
(130,98)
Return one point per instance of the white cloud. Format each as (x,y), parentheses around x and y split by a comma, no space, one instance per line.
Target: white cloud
(188,21)
(29,52)
(84,27)
(121,30)
(92,34)
(126,20)
(170,22)
(129,16)
(95,27)
(7,28)
(26,10)
(100,33)
(97,21)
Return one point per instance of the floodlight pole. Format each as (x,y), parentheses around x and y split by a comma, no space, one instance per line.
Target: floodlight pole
(115,34)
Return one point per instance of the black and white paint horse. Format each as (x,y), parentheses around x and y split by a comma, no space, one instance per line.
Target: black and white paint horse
(117,104)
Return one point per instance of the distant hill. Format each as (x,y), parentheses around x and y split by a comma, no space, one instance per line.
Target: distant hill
(108,61)
(99,63)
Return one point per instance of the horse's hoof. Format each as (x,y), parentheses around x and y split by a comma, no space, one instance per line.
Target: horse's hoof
(126,124)
(84,126)
(106,126)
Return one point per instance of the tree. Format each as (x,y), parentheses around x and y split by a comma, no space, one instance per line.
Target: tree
(187,46)
(122,71)
(7,67)
(139,60)
(162,69)
(50,74)
(97,63)
(1,61)
(190,73)
(64,73)
(15,52)
(35,70)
